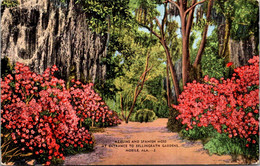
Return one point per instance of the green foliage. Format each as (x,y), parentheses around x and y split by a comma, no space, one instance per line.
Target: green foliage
(145,10)
(105,14)
(57,161)
(126,60)
(173,124)
(6,67)
(71,150)
(143,115)
(243,15)
(9,3)
(211,63)
(54,161)
(174,43)
(154,98)
(87,123)
(125,64)
(221,144)
(123,48)
(198,133)
(106,88)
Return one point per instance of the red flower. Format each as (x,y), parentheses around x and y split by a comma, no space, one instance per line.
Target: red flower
(34,94)
(223,102)
(229,64)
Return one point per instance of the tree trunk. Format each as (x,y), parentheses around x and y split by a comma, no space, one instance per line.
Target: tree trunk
(122,106)
(185,60)
(185,46)
(41,33)
(172,70)
(186,24)
(224,51)
(168,85)
(241,51)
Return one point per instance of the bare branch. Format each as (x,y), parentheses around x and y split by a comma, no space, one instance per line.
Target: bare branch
(193,6)
(204,36)
(144,74)
(122,107)
(190,20)
(157,22)
(139,87)
(160,27)
(175,4)
(153,32)
(164,20)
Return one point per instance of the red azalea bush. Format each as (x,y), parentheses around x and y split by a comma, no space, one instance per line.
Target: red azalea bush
(41,115)
(230,106)
(90,108)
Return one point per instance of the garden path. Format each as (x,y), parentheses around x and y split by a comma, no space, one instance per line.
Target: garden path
(178,152)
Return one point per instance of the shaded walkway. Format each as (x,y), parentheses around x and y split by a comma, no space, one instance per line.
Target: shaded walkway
(162,147)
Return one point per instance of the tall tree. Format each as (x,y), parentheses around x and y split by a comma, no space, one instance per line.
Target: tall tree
(139,87)
(237,21)
(145,17)
(186,13)
(103,15)
(131,46)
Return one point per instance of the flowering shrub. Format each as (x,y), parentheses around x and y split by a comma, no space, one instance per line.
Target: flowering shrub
(230,106)
(90,107)
(42,115)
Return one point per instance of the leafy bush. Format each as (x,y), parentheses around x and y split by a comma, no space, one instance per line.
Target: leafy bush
(212,64)
(229,106)
(173,124)
(144,115)
(40,114)
(198,133)
(155,97)
(162,111)
(221,144)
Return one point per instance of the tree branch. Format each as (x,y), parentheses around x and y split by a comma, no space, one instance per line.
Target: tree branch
(137,89)
(164,20)
(168,84)
(160,27)
(174,4)
(204,37)
(194,5)
(190,20)
(157,22)
(144,74)
(145,26)
(122,108)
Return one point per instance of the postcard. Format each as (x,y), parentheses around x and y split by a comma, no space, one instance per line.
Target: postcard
(134,82)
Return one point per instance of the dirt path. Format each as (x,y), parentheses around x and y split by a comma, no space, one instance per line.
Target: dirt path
(118,151)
